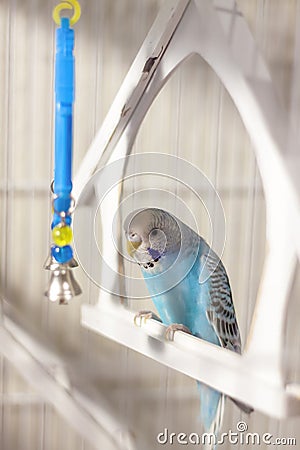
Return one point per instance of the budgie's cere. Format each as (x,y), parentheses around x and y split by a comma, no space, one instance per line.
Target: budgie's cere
(188,285)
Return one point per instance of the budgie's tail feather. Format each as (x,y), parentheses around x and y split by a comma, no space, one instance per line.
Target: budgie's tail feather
(211,414)
(216,424)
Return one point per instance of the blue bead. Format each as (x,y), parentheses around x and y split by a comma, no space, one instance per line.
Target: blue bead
(62,203)
(57,220)
(62,254)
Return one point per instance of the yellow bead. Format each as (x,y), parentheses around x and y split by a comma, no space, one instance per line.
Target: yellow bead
(62,235)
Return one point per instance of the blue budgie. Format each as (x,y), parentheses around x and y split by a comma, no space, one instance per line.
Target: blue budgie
(190,289)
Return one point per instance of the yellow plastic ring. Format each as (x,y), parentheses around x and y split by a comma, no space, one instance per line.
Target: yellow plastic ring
(68,4)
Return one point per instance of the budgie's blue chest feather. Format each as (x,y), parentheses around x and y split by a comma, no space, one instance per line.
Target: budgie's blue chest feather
(185,303)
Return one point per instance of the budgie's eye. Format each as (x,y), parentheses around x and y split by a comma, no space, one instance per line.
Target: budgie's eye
(133,236)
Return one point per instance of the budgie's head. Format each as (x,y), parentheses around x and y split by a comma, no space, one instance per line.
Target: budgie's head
(151,234)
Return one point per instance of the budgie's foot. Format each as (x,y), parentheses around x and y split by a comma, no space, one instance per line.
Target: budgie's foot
(170,331)
(144,315)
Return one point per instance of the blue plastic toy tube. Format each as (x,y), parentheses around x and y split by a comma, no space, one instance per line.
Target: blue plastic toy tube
(64,98)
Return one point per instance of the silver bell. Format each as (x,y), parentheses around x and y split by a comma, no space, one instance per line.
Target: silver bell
(62,285)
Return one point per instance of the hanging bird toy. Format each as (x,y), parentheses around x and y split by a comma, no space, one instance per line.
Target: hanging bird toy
(62,286)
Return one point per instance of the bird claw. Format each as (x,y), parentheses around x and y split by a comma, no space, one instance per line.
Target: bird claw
(170,331)
(144,315)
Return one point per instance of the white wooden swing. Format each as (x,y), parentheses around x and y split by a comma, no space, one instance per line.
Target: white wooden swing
(217,32)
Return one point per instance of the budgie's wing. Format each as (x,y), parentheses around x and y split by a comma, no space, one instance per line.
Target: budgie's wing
(220,311)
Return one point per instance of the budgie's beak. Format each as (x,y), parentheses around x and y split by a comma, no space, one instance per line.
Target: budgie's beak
(132,247)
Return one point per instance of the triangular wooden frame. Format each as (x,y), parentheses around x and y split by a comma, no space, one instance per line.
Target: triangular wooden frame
(219,34)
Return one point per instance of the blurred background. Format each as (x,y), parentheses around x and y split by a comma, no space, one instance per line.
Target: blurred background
(193,118)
